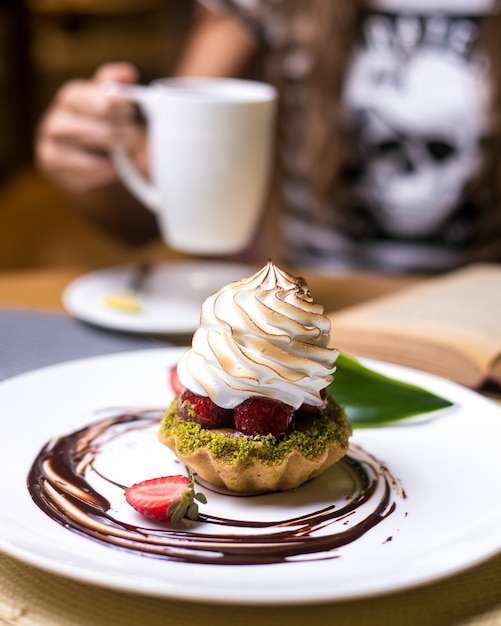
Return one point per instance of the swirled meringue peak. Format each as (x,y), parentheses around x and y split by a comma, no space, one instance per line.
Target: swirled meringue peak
(260,336)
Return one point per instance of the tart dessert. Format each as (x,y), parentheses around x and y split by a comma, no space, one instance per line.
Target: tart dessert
(253,414)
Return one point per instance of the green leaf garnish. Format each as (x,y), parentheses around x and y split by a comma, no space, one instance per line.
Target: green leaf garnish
(201,497)
(372,399)
(186,505)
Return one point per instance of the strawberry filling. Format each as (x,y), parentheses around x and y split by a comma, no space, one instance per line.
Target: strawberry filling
(254,416)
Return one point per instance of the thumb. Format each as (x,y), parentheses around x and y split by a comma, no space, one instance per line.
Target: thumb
(116,72)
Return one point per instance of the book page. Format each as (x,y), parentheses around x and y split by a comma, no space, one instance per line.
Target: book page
(462,308)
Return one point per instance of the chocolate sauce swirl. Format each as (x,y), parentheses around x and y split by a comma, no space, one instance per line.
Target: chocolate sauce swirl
(62,477)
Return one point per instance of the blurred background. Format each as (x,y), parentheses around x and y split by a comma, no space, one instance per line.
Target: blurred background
(43,43)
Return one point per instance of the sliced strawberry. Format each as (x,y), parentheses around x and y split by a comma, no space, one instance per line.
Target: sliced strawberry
(263,416)
(169,498)
(201,409)
(174,381)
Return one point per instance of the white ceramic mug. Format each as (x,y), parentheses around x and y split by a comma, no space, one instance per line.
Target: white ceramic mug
(210,154)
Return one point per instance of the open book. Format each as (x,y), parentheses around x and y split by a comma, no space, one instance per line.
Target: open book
(448,325)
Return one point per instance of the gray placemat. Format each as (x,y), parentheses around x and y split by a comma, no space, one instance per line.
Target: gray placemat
(34,339)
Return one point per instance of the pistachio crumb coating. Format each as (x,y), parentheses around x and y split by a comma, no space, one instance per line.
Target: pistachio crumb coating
(228,459)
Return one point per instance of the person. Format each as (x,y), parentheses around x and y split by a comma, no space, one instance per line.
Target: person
(389,128)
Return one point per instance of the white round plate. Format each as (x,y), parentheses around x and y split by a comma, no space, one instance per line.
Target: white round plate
(171,295)
(448,466)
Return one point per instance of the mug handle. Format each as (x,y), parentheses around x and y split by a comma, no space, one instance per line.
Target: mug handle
(142,188)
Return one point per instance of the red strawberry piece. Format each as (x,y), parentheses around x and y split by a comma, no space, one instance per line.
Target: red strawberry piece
(309,410)
(169,498)
(201,409)
(174,381)
(263,416)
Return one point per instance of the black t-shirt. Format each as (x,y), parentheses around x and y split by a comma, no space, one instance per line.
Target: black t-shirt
(416,101)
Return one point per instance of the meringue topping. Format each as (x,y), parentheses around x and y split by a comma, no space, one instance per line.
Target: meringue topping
(260,336)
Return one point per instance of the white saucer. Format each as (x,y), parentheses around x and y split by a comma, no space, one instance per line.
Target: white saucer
(171,295)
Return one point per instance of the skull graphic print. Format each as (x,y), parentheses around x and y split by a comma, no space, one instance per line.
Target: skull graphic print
(416,100)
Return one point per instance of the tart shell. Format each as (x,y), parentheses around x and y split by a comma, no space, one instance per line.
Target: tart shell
(230,461)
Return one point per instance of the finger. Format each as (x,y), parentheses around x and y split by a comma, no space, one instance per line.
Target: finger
(94,132)
(76,170)
(90,99)
(117,107)
(88,132)
(116,72)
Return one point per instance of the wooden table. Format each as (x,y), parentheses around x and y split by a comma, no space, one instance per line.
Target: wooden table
(30,597)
